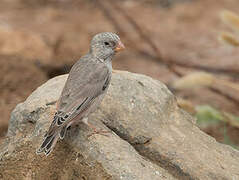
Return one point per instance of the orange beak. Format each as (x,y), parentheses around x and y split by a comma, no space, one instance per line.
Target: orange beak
(120,46)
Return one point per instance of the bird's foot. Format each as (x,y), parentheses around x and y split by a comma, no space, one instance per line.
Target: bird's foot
(97,131)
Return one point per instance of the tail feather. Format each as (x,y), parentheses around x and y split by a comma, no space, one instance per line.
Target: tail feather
(47,152)
(63,132)
(56,130)
(48,143)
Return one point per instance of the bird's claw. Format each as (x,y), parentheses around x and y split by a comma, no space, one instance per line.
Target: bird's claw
(101,132)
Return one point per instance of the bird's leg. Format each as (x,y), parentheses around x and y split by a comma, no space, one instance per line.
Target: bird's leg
(95,130)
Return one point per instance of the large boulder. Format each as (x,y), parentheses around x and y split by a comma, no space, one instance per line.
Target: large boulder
(151,138)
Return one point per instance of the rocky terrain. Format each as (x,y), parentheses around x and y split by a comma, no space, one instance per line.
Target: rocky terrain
(41,39)
(151,138)
(45,37)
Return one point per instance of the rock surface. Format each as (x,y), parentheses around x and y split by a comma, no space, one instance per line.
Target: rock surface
(151,138)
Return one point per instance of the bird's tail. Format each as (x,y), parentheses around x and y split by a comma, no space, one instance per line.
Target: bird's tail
(56,130)
(48,143)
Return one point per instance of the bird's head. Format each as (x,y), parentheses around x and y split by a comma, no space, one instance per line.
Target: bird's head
(105,45)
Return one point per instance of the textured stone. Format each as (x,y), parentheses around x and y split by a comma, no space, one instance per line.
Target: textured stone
(151,138)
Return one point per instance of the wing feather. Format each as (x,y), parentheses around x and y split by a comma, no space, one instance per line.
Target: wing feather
(86,81)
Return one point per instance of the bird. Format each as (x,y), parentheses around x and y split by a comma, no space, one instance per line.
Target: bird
(85,87)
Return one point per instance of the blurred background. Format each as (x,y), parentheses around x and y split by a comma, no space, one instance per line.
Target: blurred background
(190,45)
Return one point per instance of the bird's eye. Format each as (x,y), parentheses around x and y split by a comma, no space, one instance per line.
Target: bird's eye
(106,43)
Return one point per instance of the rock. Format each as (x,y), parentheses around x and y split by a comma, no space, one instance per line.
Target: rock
(152,138)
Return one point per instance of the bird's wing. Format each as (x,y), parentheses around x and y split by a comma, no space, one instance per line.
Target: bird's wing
(86,81)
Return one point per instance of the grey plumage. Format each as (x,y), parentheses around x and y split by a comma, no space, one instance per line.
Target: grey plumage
(85,87)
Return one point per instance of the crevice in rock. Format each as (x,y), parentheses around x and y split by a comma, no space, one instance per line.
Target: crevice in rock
(139,143)
(51,103)
(32,116)
(164,162)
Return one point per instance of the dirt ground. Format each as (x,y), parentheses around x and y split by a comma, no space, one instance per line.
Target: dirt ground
(42,39)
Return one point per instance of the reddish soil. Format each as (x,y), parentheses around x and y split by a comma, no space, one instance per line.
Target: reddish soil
(41,39)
